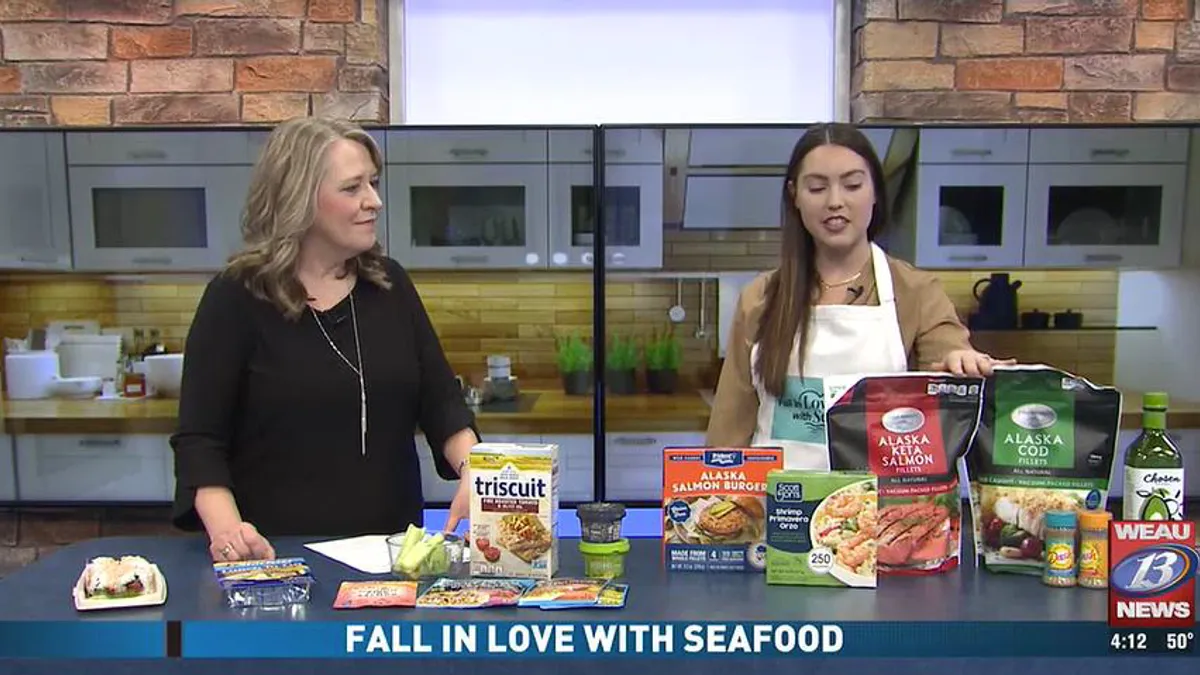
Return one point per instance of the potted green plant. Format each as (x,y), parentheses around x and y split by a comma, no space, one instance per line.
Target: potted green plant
(663,355)
(574,358)
(621,361)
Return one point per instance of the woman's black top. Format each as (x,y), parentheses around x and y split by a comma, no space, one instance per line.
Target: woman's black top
(269,410)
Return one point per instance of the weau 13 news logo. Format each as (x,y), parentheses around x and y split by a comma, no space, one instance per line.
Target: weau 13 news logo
(1152,574)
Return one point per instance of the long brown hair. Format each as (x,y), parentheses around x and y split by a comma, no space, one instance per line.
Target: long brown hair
(280,207)
(791,288)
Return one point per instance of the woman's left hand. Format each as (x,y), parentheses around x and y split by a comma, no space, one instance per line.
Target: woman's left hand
(460,506)
(970,362)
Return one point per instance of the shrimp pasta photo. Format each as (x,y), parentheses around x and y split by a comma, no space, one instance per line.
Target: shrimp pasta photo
(821,528)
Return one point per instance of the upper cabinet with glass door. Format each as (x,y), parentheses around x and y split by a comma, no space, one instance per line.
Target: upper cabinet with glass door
(157,201)
(632,205)
(463,199)
(970,206)
(1106,197)
(34,222)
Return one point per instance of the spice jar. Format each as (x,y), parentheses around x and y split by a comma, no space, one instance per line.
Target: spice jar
(1093,548)
(600,522)
(1059,569)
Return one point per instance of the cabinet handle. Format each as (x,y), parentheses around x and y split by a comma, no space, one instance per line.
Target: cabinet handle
(968,258)
(469,259)
(648,440)
(147,154)
(971,152)
(618,152)
(1109,152)
(152,261)
(469,152)
(38,259)
(1103,257)
(99,442)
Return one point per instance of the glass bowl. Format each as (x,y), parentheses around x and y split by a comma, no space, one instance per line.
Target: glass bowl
(448,562)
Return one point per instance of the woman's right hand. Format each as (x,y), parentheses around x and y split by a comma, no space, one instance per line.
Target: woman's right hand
(242,542)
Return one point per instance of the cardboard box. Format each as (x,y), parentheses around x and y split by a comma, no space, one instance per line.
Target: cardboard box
(714,513)
(514,510)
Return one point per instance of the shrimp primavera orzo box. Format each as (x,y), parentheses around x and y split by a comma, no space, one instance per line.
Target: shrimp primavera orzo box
(821,528)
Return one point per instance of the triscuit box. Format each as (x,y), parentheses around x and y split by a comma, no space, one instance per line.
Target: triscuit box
(821,528)
(714,510)
(514,510)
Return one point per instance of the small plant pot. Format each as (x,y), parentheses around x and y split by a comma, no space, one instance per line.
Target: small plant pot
(662,381)
(577,382)
(622,382)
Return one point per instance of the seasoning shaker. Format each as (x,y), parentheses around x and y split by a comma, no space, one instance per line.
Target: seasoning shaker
(1093,548)
(1059,567)
(600,522)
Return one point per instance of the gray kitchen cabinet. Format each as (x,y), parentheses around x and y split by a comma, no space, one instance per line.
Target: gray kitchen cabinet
(1106,198)
(34,221)
(1055,198)
(576,466)
(634,463)
(438,489)
(8,474)
(94,468)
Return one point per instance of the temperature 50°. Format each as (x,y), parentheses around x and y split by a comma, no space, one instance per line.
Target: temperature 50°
(1180,642)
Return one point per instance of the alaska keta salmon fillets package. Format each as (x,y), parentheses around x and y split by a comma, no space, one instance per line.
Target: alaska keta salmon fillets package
(910,430)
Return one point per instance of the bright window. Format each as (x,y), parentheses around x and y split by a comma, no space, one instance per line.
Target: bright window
(619,61)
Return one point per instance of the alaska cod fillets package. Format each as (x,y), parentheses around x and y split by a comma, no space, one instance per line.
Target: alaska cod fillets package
(909,430)
(1046,441)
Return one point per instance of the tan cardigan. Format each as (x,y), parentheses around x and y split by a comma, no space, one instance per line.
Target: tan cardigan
(929,327)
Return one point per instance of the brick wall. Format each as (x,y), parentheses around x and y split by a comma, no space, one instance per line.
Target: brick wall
(104,62)
(1026,60)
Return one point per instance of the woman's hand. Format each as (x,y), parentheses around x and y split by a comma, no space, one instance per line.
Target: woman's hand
(970,362)
(460,506)
(243,542)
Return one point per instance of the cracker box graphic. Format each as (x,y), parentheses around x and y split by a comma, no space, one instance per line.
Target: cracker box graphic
(1152,574)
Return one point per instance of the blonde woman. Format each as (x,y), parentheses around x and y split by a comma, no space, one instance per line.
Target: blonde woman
(311,363)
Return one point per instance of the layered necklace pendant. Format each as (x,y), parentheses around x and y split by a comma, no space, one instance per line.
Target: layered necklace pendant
(358,370)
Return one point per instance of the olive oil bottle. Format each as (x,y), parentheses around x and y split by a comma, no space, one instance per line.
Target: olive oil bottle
(1153,467)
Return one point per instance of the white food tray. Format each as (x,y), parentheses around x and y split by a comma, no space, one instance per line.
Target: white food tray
(156,595)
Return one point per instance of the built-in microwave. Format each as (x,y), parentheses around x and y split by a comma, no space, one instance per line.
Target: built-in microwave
(157,201)
(467,199)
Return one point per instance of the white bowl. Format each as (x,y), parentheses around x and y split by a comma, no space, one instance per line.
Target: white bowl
(164,374)
(77,387)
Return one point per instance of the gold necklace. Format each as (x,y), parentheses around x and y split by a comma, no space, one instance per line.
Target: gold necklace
(828,286)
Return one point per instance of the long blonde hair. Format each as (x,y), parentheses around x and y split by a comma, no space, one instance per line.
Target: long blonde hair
(280,207)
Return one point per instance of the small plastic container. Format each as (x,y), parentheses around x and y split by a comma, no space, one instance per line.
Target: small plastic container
(452,564)
(604,561)
(600,522)
(265,583)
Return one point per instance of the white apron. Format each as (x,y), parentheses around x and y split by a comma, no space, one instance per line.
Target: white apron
(843,340)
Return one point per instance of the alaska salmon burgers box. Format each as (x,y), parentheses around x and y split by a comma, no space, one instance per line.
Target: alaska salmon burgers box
(714,513)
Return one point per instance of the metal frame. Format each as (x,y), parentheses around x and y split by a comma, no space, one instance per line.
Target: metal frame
(843,27)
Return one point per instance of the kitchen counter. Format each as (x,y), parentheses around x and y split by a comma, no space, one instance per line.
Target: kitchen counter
(1019,606)
(551,412)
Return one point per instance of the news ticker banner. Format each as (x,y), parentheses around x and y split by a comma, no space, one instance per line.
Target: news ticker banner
(546,639)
